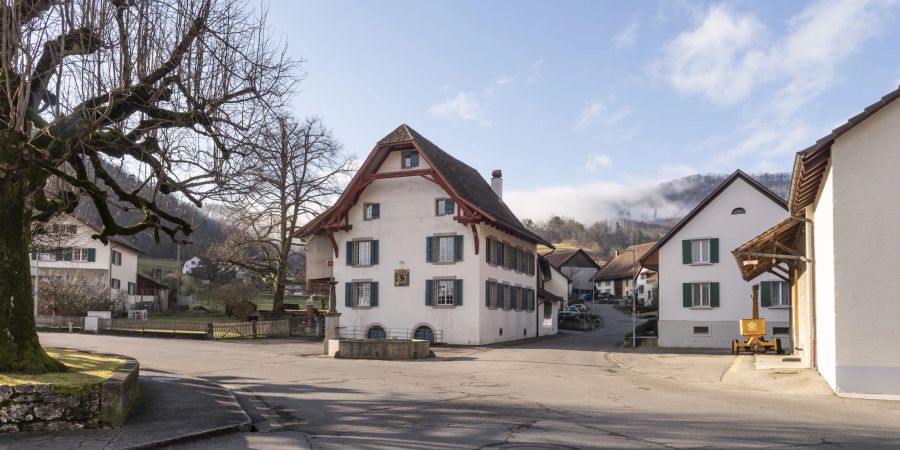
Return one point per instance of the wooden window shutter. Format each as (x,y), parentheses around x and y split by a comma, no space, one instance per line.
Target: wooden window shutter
(349,253)
(500,299)
(414,159)
(513,297)
(457,292)
(374,256)
(714,250)
(487,294)
(91,255)
(687,293)
(765,294)
(686,251)
(373,293)
(458,247)
(348,295)
(714,295)
(376,210)
(429,249)
(448,206)
(488,244)
(429,292)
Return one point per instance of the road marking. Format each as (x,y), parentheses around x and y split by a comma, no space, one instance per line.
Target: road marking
(734,366)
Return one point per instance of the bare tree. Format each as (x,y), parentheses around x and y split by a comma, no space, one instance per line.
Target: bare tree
(167,89)
(298,173)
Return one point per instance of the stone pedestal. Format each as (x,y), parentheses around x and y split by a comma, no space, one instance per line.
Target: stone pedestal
(332,331)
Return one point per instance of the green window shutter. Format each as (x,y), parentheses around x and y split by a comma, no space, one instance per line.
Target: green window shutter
(499,295)
(714,250)
(348,295)
(457,292)
(458,247)
(487,294)
(448,207)
(373,301)
(91,255)
(349,253)
(513,297)
(686,294)
(429,249)
(374,252)
(686,251)
(714,295)
(487,250)
(765,294)
(33,255)
(376,210)
(429,292)
(414,159)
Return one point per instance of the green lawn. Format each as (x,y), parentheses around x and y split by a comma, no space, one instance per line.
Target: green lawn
(192,316)
(264,302)
(146,265)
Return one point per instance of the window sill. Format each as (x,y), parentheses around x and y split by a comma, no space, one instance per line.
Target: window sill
(363,307)
(445,263)
(444,306)
(701,264)
(778,307)
(703,307)
(360,266)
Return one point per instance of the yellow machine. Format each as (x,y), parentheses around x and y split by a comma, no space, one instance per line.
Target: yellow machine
(755,331)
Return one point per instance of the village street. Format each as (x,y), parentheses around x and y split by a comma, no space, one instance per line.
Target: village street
(563,392)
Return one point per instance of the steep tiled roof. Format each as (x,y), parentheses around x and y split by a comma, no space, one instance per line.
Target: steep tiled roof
(623,265)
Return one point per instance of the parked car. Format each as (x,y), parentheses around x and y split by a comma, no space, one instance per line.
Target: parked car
(581,308)
(568,311)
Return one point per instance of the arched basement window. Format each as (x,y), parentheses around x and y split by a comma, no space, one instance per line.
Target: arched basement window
(424,333)
(376,332)
(736,211)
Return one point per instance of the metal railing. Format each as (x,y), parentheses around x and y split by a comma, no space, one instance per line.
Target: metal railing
(62,322)
(390,333)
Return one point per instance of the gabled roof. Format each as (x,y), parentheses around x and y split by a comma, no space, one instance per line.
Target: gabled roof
(738,174)
(810,164)
(559,259)
(460,178)
(623,265)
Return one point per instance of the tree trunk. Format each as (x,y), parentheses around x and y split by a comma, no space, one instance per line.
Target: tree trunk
(278,293)
(20,350)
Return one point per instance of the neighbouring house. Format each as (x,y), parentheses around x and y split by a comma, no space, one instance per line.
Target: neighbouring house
(66,250)
(701,296)
(647,287)
(190,265)
(840,251)
(553,287)
(419,244)
(578,267)
(617,276)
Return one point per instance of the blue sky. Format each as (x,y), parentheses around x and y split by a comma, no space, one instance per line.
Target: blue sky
(586,104)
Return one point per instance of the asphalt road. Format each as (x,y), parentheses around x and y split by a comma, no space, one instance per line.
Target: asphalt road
(561,392)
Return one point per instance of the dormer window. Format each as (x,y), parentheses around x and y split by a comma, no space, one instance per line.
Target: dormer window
(410,159)
(737,211)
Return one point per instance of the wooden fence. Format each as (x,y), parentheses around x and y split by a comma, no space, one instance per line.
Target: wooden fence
(186,328)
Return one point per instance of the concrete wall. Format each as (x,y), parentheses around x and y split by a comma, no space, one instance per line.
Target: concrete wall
(387,349)
(318,254)
(716,221)
(823,219)
(866,254)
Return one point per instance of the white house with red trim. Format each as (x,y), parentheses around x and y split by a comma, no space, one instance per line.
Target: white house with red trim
(702,295)
(421,245)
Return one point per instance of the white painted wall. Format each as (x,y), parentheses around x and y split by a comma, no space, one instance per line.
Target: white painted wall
(407,218)
(823,219)
(716,221)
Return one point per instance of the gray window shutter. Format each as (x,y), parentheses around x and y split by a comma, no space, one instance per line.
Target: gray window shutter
(686,251)
(348,295)
(349,253)
(714,295)
(374,252)
(91,255)
(458,247)
(765,294)
(429,292)
(687,293)
(373,300)
(448,207)
(457,292)
(714,250)
(429,249)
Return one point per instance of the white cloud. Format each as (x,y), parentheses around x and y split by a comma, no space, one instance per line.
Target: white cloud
(597,162)
(534,71)
(464,106)
(588,115)
(627,37)
(728,55)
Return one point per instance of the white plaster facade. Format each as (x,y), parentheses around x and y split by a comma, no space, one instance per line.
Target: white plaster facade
(848,291)
(102,267)
(407,218)
(190,265)
(717,326)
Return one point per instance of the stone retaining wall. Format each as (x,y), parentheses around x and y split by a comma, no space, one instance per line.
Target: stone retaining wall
(388,349)
(45,407)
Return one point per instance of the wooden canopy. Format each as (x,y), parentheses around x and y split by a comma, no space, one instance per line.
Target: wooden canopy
(777,250)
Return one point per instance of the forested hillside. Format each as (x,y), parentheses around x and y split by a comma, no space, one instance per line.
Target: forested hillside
(601,239)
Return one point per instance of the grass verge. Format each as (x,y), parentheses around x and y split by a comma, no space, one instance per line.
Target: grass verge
(84,368)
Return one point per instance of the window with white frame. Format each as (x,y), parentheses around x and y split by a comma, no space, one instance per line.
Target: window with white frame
(443,207)
(410,159)
(781,295)
(115,283)
(116,258)
(363,252)
(80,254)
(700,292)
(445,292)
(700,251)
(446,248)
(371,211)
(363,294)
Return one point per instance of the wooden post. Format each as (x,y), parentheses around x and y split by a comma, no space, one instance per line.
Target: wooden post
(755,296)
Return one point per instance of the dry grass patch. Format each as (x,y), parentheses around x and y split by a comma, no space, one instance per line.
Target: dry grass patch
(84,368)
